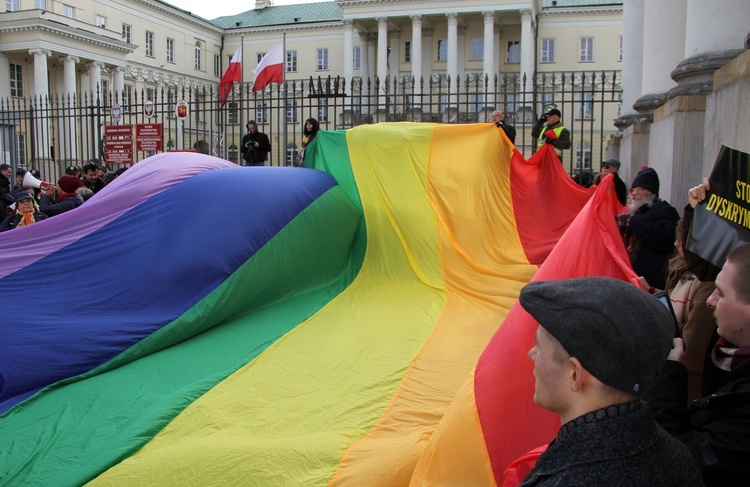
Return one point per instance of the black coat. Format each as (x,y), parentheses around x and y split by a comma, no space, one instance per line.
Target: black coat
(255,156)
(654,229)
(12,221)
(716,428)
(624,449)
(50,208)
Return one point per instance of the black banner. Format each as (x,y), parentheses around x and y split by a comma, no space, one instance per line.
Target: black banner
(722,221)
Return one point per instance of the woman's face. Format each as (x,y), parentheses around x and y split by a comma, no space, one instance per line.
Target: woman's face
(26,205)
(308,126)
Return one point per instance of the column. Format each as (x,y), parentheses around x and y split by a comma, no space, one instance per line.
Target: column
(95,75)
(659,62)
(416,52)
(461,58)
(452,65)
(68,148)
(632,54)
(527,56)
(119,83)
(349,54)
(41,99)
(382,59)
(394,56)
(488,61)
(4,77)
(364,57)
(84,98)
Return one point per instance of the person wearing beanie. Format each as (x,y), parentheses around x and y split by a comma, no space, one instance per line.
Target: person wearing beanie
(648,229)
(600,343)
(549,130)
(26,212)
(62,197)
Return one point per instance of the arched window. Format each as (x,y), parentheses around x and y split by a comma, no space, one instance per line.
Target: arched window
(198,55)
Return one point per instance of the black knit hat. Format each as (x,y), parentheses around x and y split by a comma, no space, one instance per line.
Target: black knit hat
(648,180)
(620,334)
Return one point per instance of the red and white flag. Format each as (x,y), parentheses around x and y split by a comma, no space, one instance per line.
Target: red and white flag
(232,75)
(270,69)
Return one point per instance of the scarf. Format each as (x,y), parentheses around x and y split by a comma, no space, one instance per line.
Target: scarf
(27,218)
(305,141)
(727,357)
(62,196)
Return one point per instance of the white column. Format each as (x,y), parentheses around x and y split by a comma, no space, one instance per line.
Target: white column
(364,57)
(658,62)
(527,54)
(95,75)
(349,54)
(41,99)
(632,54)
(461,58)
(452,65)
(416,51)
(4,77)
(69,75)
(394,57)
(119,83)
(68,148)
(427,55)
(716,26)
(488,62)
(382,58)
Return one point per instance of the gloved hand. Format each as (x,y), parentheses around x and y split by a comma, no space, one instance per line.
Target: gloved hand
(542,120)
(550,134)
(549,141)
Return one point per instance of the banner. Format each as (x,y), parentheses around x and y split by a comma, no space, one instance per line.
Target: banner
(722,221)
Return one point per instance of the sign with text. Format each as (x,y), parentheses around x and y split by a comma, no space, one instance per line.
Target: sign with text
(722,221)
(118,145)
(118,130)
(119,157)
(148,137)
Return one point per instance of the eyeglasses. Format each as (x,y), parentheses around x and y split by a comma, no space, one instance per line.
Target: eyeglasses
(606,166)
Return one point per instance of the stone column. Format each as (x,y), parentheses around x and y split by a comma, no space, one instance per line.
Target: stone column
(452,64)
(365,45)
(68,148)
(488,63)
(461,58)
(42,140)
(95,75)
(427,55)
(632,54)
(416,52)
(119,84)
(527,62)
(4,76)
(382,59)
(349,54)
(659,61)
(394,57)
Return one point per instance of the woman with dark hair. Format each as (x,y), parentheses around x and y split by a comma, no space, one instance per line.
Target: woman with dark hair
(308,133)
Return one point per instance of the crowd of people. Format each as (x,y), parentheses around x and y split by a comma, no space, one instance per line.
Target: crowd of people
(31,200)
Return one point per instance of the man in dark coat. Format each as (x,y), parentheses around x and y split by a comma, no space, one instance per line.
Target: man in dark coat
(599,345)
(91,179)
(255,145)
(510,130)
(612,166)
(716,427)
(5,173)
(648,229)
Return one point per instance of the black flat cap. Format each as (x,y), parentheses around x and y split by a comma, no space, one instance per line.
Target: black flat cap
(620,334)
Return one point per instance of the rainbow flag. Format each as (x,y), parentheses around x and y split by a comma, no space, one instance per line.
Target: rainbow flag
(196,322)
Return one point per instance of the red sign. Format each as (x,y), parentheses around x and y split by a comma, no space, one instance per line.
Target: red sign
(148,144)
(118,157)
(118,130)
(118,144)
(148,130)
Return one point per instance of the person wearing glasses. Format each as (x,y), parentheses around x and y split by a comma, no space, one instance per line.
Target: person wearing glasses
(612,166)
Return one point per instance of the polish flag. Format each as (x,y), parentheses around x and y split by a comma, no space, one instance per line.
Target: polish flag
(232,75)
(270,69)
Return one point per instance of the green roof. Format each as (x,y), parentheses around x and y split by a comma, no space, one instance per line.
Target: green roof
(282,15)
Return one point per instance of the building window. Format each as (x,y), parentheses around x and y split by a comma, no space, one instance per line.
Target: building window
(127,32)
(217,65)
(40,4)
(291,112)
(291,61)
(170,50)
(322,59)
(12,5)
(586,106)
(548,50)
(511,104)
(233,154)
(233,113)
(587,50)
(69,11)
(357,104)
(258,57)
(442,50)
(291,154)
(514,52)
(583,156)
(21,155)
(101,21)
(477,49)
(16,80)
(357,57)
(322,110)
(619,54)
(198,56)
(105,88)
(127,98)
(407,51)
(261,112)
(149,44)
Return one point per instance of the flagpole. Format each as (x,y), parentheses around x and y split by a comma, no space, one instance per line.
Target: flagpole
(283,84)
(242,82)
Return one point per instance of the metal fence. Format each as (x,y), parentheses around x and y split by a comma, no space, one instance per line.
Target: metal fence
(52,133)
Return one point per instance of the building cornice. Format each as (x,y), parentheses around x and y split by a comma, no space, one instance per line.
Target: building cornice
(149,74)
(239,31)
(42,25)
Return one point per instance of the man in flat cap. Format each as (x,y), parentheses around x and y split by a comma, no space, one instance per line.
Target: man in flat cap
(648,229)
(549,130)
(612,166)
(599,345)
